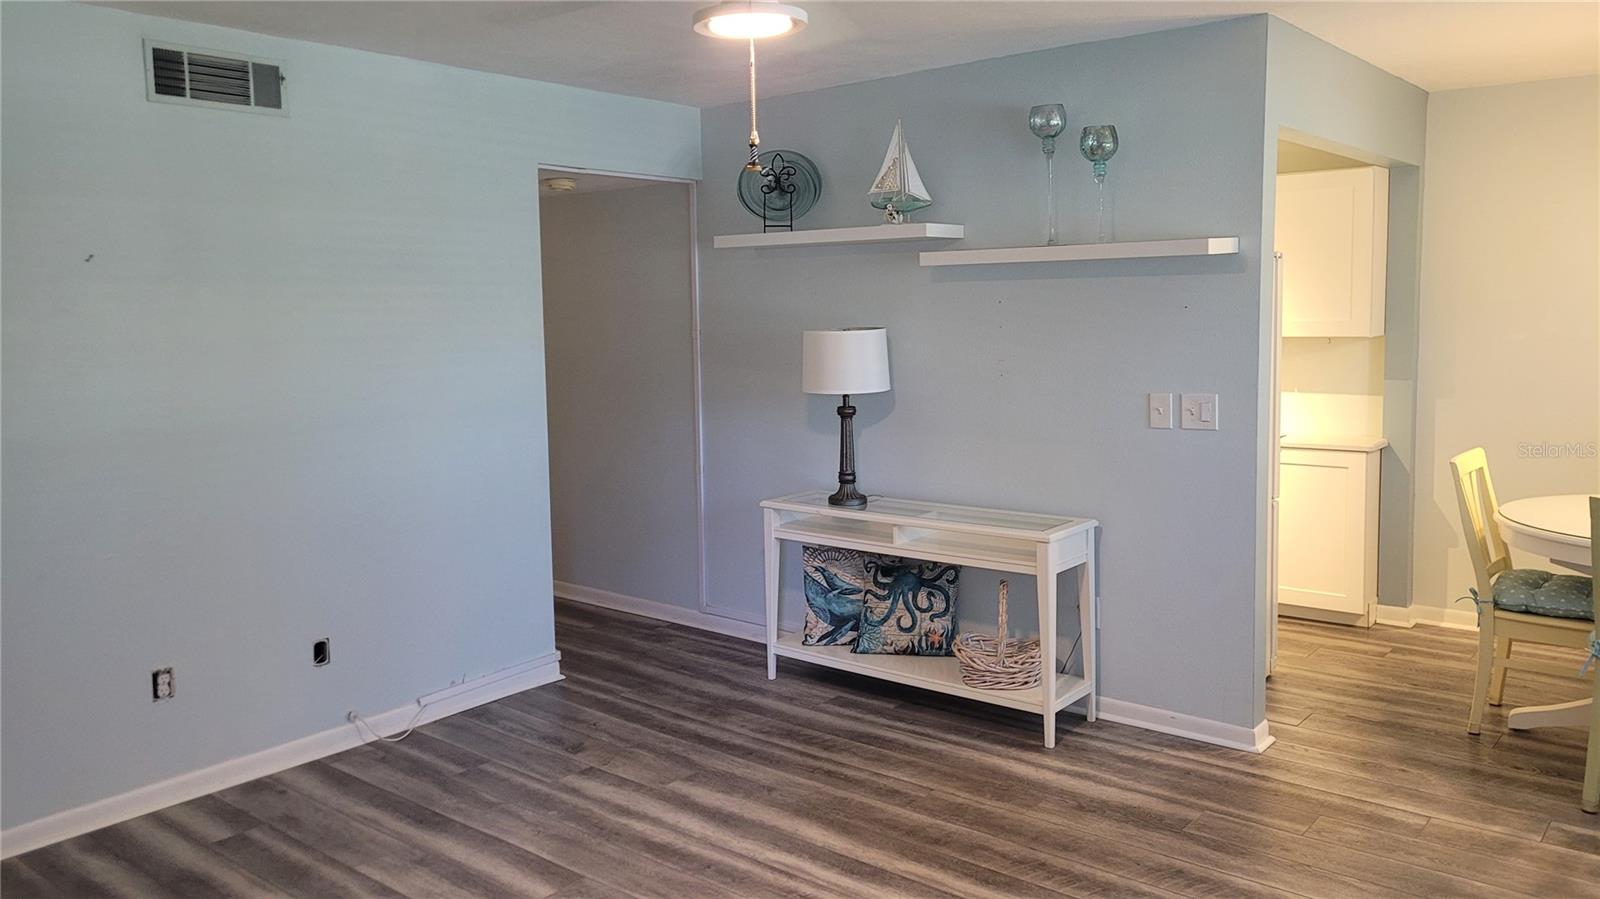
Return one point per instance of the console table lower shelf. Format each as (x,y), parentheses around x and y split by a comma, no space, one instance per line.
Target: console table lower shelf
(942,674)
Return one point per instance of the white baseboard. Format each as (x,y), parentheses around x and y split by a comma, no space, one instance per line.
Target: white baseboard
(1310,613)
(1394,616)
(1462,619)
(1205,730)
(154,797)
(735,615)
(661,611)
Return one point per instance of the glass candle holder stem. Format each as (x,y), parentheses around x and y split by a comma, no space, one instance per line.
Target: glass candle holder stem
(1050,190)
(1100,221)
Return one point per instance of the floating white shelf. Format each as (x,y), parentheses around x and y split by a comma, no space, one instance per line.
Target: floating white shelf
(1131,249)
(868,234)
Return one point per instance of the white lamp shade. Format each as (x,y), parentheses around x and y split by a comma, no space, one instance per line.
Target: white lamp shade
(853,360)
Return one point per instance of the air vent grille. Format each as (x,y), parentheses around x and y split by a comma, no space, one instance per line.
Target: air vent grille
(219,80)
(176,74)
(171,77)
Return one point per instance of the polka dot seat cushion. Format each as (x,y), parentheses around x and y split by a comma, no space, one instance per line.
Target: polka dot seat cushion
(1537,592)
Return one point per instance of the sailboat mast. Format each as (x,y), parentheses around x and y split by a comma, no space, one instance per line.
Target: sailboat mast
(900,155)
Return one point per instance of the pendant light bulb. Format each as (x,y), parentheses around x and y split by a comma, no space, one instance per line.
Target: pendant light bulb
(743,20)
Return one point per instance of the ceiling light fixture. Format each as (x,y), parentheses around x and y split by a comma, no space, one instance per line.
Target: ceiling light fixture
(750,20)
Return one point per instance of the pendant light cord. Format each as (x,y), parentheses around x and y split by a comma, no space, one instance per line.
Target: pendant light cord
(755,136)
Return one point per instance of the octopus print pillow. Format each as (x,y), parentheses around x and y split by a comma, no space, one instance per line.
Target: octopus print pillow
(834,579)
(907,607)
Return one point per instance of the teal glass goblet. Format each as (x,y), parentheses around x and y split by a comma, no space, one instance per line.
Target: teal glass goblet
(1098,144)
(1047,121)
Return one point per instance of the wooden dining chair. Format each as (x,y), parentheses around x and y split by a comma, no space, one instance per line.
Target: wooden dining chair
(1514,604)
(1591,766)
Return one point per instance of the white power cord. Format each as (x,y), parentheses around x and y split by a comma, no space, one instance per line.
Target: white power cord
(361,722)
(355,718)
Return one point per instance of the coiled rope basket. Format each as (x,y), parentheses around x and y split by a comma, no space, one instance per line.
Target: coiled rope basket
(995,663)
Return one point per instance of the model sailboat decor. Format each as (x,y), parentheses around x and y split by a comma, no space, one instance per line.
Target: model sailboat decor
(898,189)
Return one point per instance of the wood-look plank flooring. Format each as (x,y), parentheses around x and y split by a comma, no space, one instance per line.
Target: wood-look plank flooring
(667,765)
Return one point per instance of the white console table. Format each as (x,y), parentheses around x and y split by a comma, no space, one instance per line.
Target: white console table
(1042,546)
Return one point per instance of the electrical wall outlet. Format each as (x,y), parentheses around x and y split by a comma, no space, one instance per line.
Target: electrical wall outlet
(162,685)
(1199,411)
(1161,410)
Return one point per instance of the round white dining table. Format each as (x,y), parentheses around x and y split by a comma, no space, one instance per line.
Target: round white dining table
(1556,527)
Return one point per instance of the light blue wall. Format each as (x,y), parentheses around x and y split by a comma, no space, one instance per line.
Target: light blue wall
(1021,387)
(1322,96)
(1320,90)
(298,391)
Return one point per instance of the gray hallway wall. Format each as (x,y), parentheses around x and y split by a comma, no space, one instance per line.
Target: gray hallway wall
(619,359)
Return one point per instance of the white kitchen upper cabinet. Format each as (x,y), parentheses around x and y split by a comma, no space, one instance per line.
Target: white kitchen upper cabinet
(1333,231)
(1328,535)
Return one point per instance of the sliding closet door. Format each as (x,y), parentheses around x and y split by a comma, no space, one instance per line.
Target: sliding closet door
(619,353)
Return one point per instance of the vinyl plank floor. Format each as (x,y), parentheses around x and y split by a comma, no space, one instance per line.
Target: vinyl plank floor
(666,764)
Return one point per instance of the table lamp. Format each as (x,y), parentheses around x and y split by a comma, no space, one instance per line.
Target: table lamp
(844,362)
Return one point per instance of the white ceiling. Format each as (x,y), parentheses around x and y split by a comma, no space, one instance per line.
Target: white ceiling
(648,49)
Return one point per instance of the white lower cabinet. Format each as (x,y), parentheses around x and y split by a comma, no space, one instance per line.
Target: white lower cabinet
(1328,535)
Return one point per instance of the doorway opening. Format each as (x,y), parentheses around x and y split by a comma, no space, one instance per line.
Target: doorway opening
(622,376)
(1329,429)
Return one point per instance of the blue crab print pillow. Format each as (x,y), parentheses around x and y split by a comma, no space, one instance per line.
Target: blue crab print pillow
(907,607)
(833,581)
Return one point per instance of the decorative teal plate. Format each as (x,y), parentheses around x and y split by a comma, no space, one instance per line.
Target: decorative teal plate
(787,181)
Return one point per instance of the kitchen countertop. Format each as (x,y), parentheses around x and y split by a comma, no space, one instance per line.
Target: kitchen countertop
(1346,442)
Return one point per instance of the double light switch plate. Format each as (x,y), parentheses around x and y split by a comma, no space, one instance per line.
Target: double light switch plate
(1196,411)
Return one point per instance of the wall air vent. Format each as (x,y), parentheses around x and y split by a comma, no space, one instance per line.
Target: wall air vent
(177,74)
